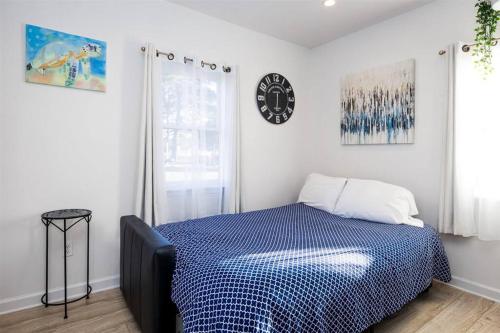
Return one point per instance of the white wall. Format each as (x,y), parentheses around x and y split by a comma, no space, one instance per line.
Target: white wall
(2,197)
(74,148)
(419,34)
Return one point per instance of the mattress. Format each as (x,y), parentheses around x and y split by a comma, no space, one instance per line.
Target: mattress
(298,269)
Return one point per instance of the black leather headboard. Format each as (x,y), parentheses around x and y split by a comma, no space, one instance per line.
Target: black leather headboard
(147,263)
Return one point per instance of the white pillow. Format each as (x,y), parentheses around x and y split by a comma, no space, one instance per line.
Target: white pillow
(322,192)
(378,202)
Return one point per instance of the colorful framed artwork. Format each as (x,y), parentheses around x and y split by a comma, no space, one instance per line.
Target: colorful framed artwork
(378,105)
(61,59)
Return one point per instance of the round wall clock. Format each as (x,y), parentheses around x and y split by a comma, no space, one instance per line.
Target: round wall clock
(275,98)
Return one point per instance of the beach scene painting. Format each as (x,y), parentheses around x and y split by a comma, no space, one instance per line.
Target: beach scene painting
(61,59)
(378,105)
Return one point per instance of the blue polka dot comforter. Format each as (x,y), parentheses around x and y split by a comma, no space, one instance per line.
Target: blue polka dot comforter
(298,269)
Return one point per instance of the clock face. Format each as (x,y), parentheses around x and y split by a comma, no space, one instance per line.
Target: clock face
(275,98)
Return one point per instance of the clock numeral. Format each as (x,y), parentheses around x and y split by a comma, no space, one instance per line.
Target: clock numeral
(261,98)
(268,80)
(283,83)
(276,78)
(285,116)
(263,108)
(290,110)
(270,115)
(291,99)
(263,86)
(288,89)
(278,119)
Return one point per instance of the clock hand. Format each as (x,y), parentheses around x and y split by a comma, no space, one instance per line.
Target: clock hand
(277,98)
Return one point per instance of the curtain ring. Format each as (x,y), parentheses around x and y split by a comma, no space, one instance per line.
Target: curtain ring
(226,69)
(211,66)
(170,56)
(187,59)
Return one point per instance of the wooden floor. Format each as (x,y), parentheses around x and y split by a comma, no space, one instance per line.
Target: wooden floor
(442,310)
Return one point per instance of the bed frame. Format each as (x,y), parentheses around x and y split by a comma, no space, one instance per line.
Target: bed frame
(147,263)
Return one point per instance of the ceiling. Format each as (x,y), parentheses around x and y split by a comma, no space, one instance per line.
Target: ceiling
(304,22)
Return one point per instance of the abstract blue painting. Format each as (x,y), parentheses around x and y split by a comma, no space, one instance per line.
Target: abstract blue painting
(58,58)
(378,105)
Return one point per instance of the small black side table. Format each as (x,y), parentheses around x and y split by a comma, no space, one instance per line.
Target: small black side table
(73,216)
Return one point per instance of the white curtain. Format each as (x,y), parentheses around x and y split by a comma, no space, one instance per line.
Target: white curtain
(470,196)
(148,190)
(193,168)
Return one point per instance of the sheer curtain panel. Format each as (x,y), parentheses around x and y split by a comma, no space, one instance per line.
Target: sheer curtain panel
(470,196)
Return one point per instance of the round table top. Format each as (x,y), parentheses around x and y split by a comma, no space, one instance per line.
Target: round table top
(66,214)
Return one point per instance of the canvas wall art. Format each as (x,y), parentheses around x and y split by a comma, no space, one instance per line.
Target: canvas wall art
(61,59)
(378,105)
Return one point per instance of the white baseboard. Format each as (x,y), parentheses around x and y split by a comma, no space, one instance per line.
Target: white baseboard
(31,300)
(28,301)
(475,288)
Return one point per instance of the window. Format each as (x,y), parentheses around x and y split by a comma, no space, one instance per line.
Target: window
(191,130)
(198,140)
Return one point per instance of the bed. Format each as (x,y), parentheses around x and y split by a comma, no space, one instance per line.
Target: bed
(288,269)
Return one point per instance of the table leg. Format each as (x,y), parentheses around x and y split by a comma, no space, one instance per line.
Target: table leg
(65,276)
(88,250)
(46,263)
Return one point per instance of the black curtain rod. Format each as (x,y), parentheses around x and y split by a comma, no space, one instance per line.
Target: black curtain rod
(171,56)
(468,47)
